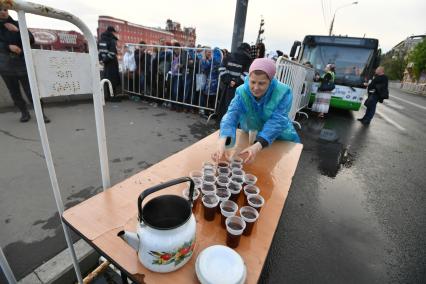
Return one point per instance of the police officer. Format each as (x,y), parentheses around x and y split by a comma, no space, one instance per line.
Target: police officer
(232,76)
(107,48)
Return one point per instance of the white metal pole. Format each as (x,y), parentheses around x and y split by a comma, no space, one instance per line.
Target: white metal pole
(6,268)
(43,133)
(94,63)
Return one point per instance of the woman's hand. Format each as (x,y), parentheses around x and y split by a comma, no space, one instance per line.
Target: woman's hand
(250,152)
(220,149)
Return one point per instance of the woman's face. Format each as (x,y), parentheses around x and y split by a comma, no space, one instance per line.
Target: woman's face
(258,84)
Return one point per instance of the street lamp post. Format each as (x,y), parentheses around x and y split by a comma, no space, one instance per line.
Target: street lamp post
(334,16)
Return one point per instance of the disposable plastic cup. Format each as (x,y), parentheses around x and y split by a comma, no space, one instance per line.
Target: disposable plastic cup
(236,165)
(209,165)
(250,179)
(235,189)
(234,228)
(250,216)
(237,160)
(228,208)
(238,172)
(223,193)
(250,189)
(223,164)
(222,181)
(195,197)
(238,179)
(210,202)
(209,171)
(256,201)
(208,188)
(209,177)
(224,172)
(196,176)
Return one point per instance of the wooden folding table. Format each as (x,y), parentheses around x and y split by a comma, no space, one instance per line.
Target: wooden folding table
(99,219)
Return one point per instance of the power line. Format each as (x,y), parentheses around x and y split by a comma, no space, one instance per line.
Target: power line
(323,14)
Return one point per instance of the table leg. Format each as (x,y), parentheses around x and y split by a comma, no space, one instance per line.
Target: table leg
(123,278)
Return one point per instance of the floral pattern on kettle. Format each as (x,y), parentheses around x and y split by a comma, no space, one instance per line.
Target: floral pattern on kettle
(176,257)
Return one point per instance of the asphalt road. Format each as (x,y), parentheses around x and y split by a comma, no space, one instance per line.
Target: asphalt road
(138,135)
(355,212)
(356,209)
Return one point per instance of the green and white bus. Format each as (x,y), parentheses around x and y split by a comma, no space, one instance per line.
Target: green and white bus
(355,60)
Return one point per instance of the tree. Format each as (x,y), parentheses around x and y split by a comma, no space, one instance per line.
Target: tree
(394,65)
(418,57)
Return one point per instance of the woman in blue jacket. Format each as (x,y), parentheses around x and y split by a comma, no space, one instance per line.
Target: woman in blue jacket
(261,105)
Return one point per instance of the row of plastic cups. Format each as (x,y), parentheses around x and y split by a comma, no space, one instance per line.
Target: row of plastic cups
(236,175)
(226,171)
(211,203)
(228,188)
(235,163)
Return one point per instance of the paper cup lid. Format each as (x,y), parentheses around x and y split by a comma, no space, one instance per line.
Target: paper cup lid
(220,264)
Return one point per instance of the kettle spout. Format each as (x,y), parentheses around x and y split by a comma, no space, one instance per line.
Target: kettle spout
(132,239)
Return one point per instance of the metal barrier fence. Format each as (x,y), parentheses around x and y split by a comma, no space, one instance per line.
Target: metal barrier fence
(410,87)
(299,78)
(60,73)
(184,77)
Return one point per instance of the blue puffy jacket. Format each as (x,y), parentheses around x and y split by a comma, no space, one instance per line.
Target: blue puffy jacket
(268,116)
(211,85)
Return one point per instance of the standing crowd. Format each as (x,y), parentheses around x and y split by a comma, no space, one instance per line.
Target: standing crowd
(191,79)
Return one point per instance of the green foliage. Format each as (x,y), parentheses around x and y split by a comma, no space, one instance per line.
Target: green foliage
(418,57)
(394,65)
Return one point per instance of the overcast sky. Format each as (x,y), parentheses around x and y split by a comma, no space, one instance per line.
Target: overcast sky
(390,21)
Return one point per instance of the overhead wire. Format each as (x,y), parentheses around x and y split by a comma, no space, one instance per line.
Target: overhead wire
(323,13)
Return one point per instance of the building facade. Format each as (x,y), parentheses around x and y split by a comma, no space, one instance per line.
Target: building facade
(133,33)
(185,36)
(59,40)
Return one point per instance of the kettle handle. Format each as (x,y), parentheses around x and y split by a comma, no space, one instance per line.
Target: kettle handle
(155,188)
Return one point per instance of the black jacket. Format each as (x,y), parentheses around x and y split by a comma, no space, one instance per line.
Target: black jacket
(107,48)
(379,87)
(142,56)
(11,63)
(238,63)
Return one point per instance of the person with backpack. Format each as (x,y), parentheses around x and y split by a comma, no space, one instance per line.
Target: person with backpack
(377,92)
(107,48)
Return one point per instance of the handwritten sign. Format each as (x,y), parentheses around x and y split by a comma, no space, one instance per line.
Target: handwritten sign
(61,73)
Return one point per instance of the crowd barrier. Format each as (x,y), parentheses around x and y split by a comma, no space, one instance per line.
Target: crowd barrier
(189,77)
(410,87)
(183,77)
(54,74)
(299,78)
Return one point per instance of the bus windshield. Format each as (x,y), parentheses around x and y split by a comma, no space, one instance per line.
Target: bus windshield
(352,63)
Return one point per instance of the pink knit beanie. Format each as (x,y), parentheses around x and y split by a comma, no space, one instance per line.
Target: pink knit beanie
(264,64)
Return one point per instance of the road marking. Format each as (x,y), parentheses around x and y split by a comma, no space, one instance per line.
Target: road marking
(390,121)
(393,104)
(410,103)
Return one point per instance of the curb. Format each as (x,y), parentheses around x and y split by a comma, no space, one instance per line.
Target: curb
(408,92)
(59,269)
